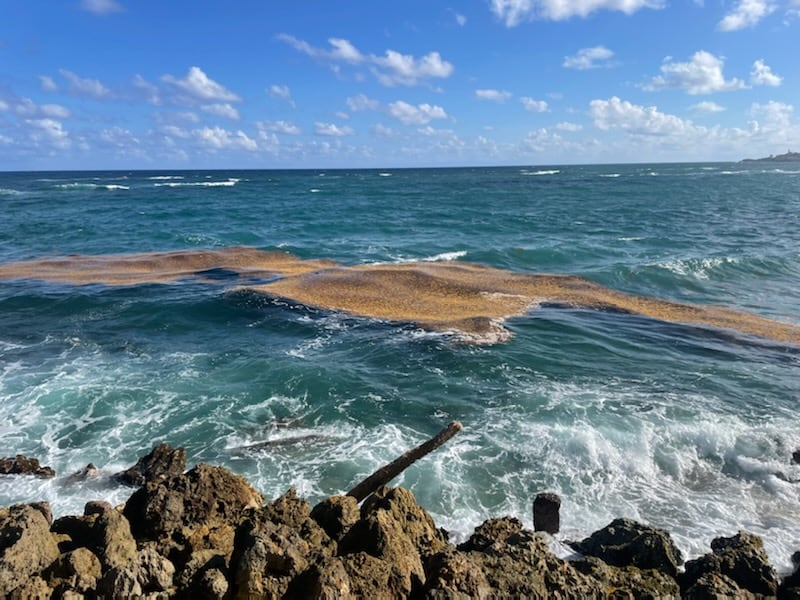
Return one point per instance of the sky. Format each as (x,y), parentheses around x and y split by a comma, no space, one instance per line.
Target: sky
(165,84)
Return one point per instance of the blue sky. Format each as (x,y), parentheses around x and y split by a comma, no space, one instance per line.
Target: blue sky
(130,84)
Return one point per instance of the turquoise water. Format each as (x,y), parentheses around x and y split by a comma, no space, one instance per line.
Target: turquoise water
(687,428)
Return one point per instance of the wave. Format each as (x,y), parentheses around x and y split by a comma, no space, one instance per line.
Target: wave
(542,172)
(10,192)
(91,186)
(166,177)
(609,175)
(230,182)
(700,268)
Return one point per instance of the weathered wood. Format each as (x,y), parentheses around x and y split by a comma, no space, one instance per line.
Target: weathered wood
(389,471)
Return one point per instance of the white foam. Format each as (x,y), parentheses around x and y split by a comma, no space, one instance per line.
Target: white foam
(166,177)
(542,172)
(230,182)
(699,268)
(610,174)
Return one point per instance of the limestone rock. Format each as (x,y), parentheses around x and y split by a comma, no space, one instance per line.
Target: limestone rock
(624,543)
(203,576)
(266,557)
(170,511)
(162,462)
(740,558)
(76,571)
(415,522)
(454,575)
(324,580)
(107,535)
(295,513)
(336,515)
(22,465)
(373,578)
(26,545)
(628,582)
(34,588)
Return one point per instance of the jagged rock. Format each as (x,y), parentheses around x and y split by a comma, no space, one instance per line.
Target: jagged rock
(162,462)
(45,509)
(295,513)
(513,563)
(22,465)
(624,543)
(76,571)
(336,515)
(546,516)
(107,535)
(155,573)
(326,580)
(374,578)
(628,582)
(452,575)
(266,557)
(87,472)
(201,576)
(34,588)
(415,522)
(120,582)
(96,507)
(492,532)
(740,558)
(790,585)
(714,586)
(26,545)
(171,510)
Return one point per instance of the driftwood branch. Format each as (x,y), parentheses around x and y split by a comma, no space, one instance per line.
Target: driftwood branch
(388,472)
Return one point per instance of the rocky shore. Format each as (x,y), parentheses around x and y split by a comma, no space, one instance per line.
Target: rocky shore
(206,533)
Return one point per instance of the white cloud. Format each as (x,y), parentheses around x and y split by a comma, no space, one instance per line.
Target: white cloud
(88,87)
(541,140)
(362,102)
(47,84)
(281,92)
(101,7)
(50,132)
(761,74)
(332,130)
(380,130)
(28,108)
(774,115)
(494,95)
(567,126)
(707,107)
(589,58)
(701,75)
(219,139)
(422,114)
(404,69)
(200,87)
(4,105)
(534,105)
(746,14)
(55,111)
(147,89)
(460,19)
(632,118)
(284,127)
(224,110)
(393,68)
(514,12)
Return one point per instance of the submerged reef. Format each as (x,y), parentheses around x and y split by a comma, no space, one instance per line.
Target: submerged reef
(207,533)
(470,300)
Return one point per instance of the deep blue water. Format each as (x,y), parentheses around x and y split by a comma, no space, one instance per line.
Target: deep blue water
(686,428)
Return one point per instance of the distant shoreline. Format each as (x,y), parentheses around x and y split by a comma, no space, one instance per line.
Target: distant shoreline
(781,158)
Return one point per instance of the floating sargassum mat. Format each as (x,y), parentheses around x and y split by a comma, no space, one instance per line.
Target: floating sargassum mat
(470,300)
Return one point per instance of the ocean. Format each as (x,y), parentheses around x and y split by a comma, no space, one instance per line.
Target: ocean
(684,426)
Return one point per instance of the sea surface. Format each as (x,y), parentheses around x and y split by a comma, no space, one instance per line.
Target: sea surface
(684,427)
